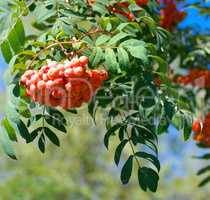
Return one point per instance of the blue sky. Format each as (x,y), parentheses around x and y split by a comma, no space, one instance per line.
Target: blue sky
(198,23)
(2,68)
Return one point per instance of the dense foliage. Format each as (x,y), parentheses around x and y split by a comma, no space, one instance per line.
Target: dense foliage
(88,42)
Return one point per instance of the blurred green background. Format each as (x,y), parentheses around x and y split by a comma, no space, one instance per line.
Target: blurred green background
(82,169)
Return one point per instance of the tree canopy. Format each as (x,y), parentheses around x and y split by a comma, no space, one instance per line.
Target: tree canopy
(125,58)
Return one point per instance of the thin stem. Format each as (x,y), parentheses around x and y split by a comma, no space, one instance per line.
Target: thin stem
(62,47)
(50,46)
(57,43)
(94,32)
(132,148)
(131,144)
(43,115)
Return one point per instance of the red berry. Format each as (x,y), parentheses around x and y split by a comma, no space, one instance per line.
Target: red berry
(44,69)
(68,86)
(58,82)
(32,89)
(78,71)
(141,2)
(104,75)
(196,127)
(69,73)
(23,80)
(34,78)
(45,77)
(41,84)
(54,102)
(130,16)
(49,84)
(56,93)
(122,4)
(53,73)
(83,60)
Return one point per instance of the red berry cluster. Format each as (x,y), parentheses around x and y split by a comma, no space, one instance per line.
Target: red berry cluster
(129,15)
(123,4)
(157,82)
(196,77)
(202,130)
(170,16)
(67,85)
(141,2)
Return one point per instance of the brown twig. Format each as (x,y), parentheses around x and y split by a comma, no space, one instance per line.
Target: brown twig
(49,47)
(94,32)
(58,43)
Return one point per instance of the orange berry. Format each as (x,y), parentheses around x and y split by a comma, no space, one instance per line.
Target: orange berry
(78,71)
(44,69)
(196,127)
(104,75)
(56,93)
(49,84)
(27,93)
(34,78)
(41,84)
(130,16)
(74,63)
(32,89)
(86,97)
(53,73)
(45,77)
(29,73)
(58,81)
(28,83)
(83,60)
(68,86)
(68,72)
(141,2)
(23,80)
(61,73)
(122,4)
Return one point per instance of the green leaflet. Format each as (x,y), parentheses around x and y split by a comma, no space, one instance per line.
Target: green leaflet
(127,170)
(9,129)
(6,144)
(111,61)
